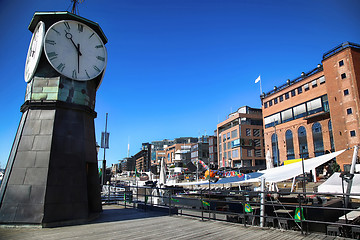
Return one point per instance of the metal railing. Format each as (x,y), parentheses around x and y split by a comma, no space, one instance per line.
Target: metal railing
(316,212)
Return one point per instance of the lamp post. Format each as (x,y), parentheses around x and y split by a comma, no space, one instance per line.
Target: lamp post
(303,169)
(229,160)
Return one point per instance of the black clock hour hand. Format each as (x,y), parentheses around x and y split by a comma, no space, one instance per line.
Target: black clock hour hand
(69,36)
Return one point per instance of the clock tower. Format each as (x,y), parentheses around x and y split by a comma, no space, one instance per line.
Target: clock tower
(51,177)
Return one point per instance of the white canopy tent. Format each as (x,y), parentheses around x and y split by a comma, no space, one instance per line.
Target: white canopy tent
(334,185)
(282,173)
(289,171)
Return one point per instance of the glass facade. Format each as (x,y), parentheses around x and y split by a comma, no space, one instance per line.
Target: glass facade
(302,110)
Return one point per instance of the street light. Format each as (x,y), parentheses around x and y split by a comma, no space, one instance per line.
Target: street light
(229,160)
(303,170)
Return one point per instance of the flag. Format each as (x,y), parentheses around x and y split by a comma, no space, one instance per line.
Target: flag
(257,80)
(136,173)
(248,208)
(299,215)
(205,203)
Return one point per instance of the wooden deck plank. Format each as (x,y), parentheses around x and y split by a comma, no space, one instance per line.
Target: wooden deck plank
(116,223)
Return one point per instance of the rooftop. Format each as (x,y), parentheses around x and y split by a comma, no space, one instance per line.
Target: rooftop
(319,68)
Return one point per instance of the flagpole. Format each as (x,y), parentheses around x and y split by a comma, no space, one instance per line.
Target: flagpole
(259,80)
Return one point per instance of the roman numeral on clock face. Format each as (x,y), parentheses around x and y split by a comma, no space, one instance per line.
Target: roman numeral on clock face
(74,74)
(100,58)
(80,28)
(60,67)
(52,55)
(51,42)
(96,68)
(67,25)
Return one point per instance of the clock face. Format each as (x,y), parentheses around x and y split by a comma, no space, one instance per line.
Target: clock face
(75,50)
(34,51)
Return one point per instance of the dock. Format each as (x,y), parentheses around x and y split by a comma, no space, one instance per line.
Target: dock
(117,222)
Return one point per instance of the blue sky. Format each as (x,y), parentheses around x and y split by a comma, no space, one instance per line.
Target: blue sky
(178,67)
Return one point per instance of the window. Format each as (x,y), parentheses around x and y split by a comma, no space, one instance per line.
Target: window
(343,75)
(287,95)
(287,115)
(299,111)
(331,136)
(314,106)
(229,154)
(270,103)
(289,145)
(249,153)
(341,63)
(349,111)
(228,145)
(293,93)
(274,148)
(352,133)
(306,87)
(228,135)
(248,132)
(317,139)
(325,103)
(346,92)
(303,149)
(265,105)
(256,132)
(234,134)
(272,120)
(257,142)
(224,147)
(299,90)
(275,100)
(235,143)
(257,152)
(322,80)
(235,153)
(314,83)
(281,98)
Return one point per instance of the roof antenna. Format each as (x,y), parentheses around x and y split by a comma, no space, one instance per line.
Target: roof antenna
(75,8)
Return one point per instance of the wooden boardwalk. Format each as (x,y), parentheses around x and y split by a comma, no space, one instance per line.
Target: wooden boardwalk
(119,223)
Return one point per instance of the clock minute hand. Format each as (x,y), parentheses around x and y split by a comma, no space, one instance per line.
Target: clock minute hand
(78,48)
(69,36)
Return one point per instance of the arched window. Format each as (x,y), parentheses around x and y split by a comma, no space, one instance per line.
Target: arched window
(303,148)
(275,149)
(331,136)
(289,145)
(317,139)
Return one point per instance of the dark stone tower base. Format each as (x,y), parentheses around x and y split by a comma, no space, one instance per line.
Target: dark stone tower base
(52,177)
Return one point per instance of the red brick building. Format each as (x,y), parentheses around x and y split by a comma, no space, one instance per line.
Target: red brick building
(317,112)
(240,140)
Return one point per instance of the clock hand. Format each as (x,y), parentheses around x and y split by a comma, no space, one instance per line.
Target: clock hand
(78,48)
(69,36)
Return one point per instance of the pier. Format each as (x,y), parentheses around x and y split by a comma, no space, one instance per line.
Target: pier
(117,222)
